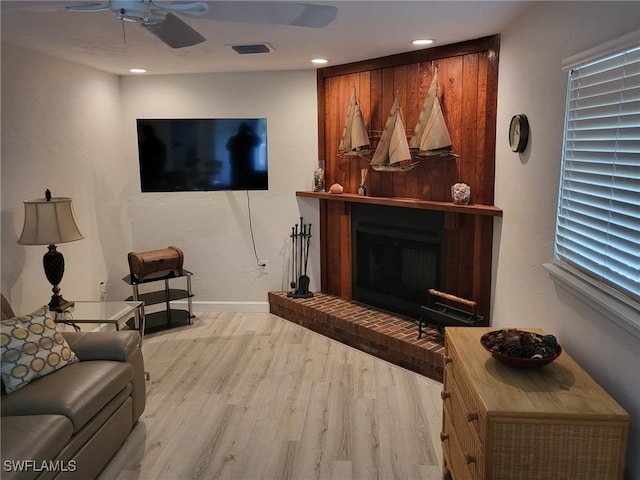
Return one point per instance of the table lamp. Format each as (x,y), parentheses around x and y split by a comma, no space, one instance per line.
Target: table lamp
(48,221)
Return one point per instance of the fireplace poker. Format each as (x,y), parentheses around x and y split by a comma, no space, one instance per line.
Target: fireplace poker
(306,253)
(293,258)
(300,253)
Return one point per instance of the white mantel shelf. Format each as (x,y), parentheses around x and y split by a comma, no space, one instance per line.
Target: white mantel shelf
(473,209)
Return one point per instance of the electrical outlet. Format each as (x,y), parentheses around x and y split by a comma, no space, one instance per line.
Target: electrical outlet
(103,291)
(264,266)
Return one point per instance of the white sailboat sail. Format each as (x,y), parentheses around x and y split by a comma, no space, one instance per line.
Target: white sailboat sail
(431,136)
(355,139)
(392,152)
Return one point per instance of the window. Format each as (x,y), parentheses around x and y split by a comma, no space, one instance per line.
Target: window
(598,220)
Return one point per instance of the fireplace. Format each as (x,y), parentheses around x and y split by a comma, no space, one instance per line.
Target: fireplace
(397,256)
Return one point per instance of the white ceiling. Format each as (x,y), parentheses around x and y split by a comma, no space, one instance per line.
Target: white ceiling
(362,30)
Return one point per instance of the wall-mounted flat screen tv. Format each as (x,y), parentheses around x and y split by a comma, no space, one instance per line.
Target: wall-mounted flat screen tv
(183,155)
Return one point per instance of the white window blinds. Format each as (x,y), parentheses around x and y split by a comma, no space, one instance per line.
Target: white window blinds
(598,222)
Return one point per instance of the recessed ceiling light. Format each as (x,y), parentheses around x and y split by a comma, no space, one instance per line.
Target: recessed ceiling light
(422,41)
(319,60)
(137,70)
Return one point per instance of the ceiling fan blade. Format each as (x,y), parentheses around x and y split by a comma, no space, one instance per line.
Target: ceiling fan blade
(194,9)
(175,33)
(274,13)
(88,7)
(316,16)
(32,6)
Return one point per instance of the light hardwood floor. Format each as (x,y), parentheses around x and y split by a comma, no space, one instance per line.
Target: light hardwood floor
(252,396)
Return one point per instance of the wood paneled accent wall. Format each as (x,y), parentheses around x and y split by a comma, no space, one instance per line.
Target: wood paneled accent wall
(467,80)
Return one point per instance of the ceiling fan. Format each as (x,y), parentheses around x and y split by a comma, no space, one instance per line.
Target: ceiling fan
(155,16)
(158,16)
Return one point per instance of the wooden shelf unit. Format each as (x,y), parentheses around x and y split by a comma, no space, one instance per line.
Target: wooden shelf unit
(501,422)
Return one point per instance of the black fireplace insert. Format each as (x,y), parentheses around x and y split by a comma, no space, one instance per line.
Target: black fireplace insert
(397,256)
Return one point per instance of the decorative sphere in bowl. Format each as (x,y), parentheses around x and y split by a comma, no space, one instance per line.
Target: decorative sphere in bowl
(521,349)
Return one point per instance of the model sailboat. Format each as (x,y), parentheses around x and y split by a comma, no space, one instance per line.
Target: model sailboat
(431,136)
(355,140)
(392,153)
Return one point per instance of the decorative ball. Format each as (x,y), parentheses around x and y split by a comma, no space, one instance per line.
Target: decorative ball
(336,188)
(550,341)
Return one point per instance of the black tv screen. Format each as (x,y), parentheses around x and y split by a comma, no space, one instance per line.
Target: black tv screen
(182,155)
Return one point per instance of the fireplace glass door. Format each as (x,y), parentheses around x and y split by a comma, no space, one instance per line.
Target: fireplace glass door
(397,256)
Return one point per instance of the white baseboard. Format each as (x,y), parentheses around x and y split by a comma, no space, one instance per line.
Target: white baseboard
(226,306)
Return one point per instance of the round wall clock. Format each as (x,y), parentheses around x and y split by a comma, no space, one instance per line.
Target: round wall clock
(518,133)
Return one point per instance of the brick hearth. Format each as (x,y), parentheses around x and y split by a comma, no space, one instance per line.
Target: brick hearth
(384,335)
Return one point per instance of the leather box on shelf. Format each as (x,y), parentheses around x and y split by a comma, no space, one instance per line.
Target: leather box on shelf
(143,264)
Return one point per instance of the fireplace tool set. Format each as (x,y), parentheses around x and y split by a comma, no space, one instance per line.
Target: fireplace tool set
(300,240)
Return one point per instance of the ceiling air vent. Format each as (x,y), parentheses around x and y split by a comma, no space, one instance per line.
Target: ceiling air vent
(256,48)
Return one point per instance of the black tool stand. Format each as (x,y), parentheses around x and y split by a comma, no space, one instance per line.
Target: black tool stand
(300,293)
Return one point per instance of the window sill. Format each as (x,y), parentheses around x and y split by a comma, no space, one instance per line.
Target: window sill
(622,314)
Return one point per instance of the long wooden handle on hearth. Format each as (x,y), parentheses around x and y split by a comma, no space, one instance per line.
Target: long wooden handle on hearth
(453,298)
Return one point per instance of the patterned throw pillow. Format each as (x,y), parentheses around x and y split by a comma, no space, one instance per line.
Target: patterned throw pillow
(31,347)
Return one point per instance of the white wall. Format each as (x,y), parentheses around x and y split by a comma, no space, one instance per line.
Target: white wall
(212,228)
(531,81)
(72,129)
(60,130)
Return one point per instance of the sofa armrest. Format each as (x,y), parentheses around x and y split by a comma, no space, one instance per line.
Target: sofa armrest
(117,346)
(120,346)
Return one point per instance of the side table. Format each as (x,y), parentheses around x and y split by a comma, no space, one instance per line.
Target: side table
(115,313)
(521,424)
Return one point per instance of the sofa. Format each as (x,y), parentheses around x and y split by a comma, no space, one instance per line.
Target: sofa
(68,423)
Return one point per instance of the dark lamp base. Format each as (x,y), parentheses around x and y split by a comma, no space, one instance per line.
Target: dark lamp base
(53,263)
(59,304)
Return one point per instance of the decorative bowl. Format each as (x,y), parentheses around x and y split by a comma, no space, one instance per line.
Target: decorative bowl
(488,341)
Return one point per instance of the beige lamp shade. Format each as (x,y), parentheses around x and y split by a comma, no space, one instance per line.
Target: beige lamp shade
(47,222)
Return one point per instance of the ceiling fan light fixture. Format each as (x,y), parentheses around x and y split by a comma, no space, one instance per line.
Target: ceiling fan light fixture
(133,13)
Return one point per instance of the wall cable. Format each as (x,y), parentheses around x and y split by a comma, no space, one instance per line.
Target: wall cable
(253,240)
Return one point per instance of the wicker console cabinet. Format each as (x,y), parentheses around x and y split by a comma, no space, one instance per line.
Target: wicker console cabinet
(504,423)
